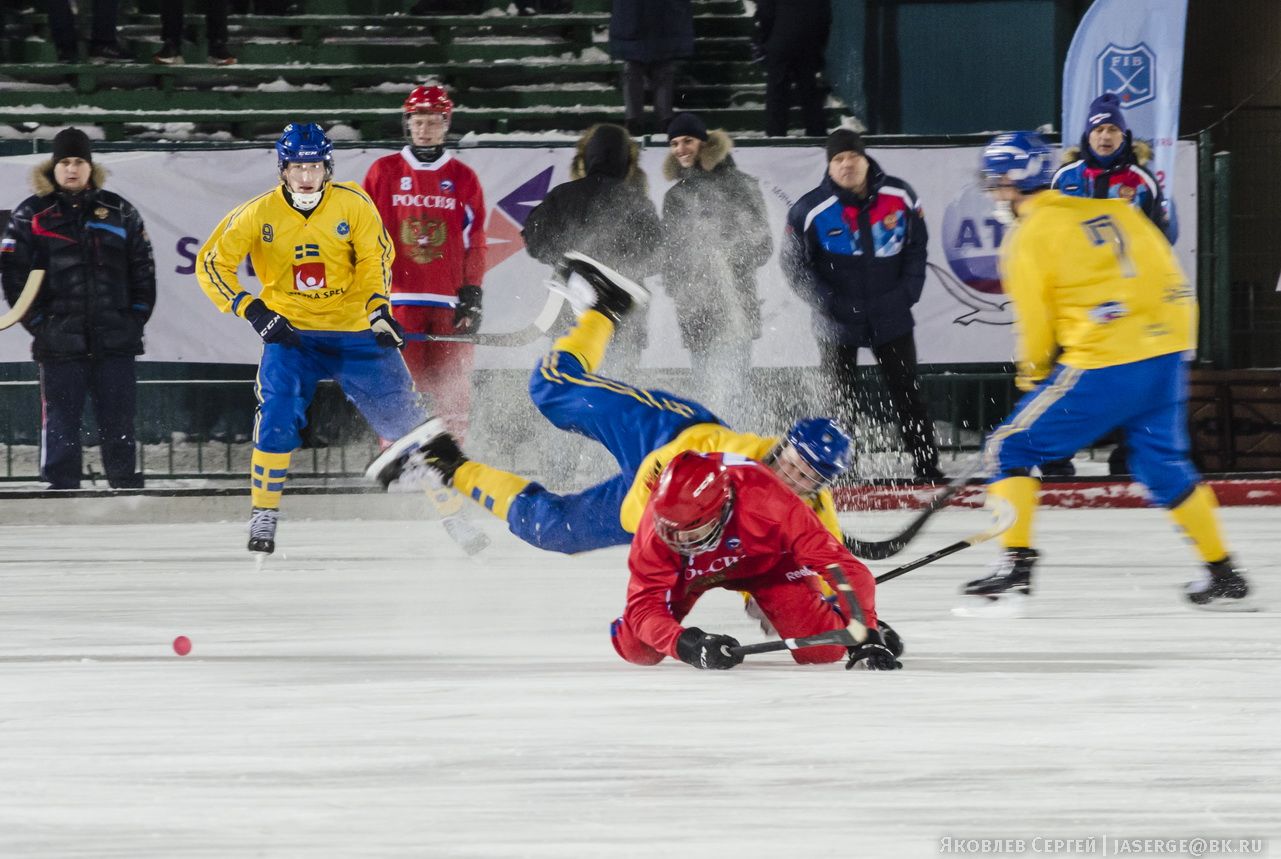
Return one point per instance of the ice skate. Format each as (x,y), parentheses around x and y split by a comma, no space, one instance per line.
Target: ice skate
(1222,587)
(592,285)
(262,531)
(389,464)
(1004,591)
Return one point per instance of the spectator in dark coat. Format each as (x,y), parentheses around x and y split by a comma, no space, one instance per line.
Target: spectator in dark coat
(715,237)
(793,35)
(605,212)
(854,249)
(649,36)
(99,291)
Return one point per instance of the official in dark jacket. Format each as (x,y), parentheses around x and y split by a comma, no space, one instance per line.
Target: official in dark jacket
(854,250)
(649,36)
(793,38)
(715,237)
(605,212)
(86,326)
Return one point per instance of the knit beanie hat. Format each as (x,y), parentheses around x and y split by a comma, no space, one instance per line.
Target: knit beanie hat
(844,140)
(1106,110)
(687,125)
(71,143)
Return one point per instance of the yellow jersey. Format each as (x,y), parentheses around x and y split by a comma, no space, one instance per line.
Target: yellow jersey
(710,438)
(325,271)
(1093,284)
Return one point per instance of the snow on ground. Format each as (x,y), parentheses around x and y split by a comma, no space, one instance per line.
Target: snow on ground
(373,692)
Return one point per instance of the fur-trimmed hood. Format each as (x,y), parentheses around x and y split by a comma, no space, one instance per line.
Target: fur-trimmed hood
(715,152)
(607,149)
(42,177)
(1140,149)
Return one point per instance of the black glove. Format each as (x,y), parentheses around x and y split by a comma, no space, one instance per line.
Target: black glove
(891,638)
(387,331)
(467,311)
(872,655)
(697,648)
(270,325)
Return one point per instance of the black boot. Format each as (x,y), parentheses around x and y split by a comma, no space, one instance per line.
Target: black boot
(612,294)
(1012,573)
(1223,588)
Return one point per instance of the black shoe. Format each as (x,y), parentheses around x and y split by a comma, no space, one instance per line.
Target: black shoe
(220,56)
(610,292)
(872,655)
(1012,573)
(262,530)
(1058,468)
(108,52)
(1223,588)
(168,55)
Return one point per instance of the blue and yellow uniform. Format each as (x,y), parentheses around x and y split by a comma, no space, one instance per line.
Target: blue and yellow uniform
(642,429)
(1104,317)
(325,271)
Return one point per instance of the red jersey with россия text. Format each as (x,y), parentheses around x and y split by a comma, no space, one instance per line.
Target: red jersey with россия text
(435,214)
(771,535)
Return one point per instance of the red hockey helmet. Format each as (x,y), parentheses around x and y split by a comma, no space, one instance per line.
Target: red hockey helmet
(692,503)
(429,98)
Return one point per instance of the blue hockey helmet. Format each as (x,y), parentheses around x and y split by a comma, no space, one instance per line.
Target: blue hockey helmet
(1021,157)
(302,143)
(822,454)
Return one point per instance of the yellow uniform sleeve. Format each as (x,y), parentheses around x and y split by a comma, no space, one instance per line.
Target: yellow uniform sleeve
(1028,287)
(825,507)
(220,256)
(372,246)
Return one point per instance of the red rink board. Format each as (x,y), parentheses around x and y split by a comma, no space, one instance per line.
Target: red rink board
(1101,493)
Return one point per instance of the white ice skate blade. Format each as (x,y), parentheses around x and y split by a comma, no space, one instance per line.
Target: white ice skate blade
(639,294)
(1011,605)
(410,441)
(1248,604)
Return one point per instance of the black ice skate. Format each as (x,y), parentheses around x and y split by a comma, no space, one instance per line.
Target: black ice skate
(1221,588)
(262,530)
(388,465)
(1003,592)
(607,291)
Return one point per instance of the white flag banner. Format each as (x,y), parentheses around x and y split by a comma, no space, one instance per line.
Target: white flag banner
(962,317)
(1133,48)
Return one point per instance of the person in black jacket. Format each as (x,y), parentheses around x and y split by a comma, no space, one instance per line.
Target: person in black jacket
(86,326)
(854,249)
(793,37)
(715,237)
(649,36)
(605,212)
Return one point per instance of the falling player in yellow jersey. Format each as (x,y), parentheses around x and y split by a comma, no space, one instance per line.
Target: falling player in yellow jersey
(643,429)
(1104,319)
(324,260)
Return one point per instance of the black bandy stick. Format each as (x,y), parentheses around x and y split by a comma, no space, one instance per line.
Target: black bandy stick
(879,550)
(854,633)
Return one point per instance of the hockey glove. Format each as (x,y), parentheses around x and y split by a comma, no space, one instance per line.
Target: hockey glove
(270,325)
(697,648)
(468,310)
(872,655)
(387,331)
(892,639)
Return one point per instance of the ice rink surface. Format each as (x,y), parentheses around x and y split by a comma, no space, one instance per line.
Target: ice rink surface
(373,692)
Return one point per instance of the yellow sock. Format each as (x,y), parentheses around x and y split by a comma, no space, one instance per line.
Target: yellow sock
(267,475)
(1199,522)
(1021,492)
(587,340)
(491,488)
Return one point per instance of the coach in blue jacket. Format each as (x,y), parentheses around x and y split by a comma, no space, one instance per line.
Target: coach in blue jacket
(854,249)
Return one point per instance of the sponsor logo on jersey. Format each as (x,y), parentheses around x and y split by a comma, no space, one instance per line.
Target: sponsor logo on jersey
(1128,71)
(424,201)
(267,233)
(891,220)
(718,565)
(972,238)
(797,575)
(100,212)
(342,229)
(1125,192)
(447,185)
(1108,311)
(733,543)
(309,276)
(424,238)
(835,231)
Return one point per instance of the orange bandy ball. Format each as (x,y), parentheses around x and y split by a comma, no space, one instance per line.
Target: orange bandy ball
(182,645)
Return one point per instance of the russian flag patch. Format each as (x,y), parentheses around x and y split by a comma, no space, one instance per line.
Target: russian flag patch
(7,246)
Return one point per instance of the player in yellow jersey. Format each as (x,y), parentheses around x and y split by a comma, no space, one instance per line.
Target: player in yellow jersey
(1104,320)
(643,429)
(324,260)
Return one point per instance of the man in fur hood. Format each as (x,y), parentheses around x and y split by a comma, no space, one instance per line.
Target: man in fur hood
(605,212)
(86,325)
(1110,163)
(715,237)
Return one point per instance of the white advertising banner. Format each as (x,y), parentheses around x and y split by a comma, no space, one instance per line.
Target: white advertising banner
(962,317)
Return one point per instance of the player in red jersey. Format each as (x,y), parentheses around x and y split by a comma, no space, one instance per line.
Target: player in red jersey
(434,209)
(720,520)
